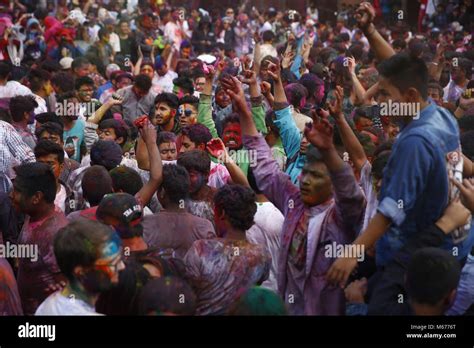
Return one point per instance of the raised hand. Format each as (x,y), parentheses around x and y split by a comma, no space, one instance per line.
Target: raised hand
(288,58)
(351,65)
(148,133)
(335,107)
(216,148)
(274,70)
(249,77)
(265,87)
(320,132)
(233,88)
(365,15)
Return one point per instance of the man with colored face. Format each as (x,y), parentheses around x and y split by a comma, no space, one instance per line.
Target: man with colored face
(94,268)
(166,107)
(188,111)
(327,206)
(34,191)
(85,89)
(167,146)
(232,134)
(200,202)
(81,67)
(22,112)
(428,150)
(52,154)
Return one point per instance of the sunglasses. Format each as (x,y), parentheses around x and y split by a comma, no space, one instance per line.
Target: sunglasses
(187,112)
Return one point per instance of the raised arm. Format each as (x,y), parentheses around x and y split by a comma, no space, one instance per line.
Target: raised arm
(148,133)
(275,184)
(365,15)
(258,113)
(349,139)
(205,108)
(289,132)
(357,88)
(216,148)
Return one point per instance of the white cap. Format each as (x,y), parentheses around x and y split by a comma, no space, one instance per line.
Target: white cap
(207,58)
(66,63)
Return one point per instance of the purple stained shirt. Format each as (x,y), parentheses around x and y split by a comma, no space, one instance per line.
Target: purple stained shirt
(306,291)
(220,270)
(34,276)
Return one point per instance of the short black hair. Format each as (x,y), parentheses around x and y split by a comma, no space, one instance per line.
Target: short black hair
(238,204)
(37,78)
(85,80)
(431,275)
(232,118)
(175,182)
(184,83)
(64,81)
(268,35)
(121,299)
(466,66)
(50,127)
(79,62)
(197,133)
(169,98)
(72,244)
(399,43)
(142,82)
(5,70)
(197,160)
(106,153)
(405,71)
(120,128)
(189,99)
(162,295)
(21,104)
(103,32)
(47,147)
(313,155)
(96,183)
(5,115)
(165,137)
(126,179)
(36,177)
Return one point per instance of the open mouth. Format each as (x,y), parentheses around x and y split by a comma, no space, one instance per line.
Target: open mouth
(231,143)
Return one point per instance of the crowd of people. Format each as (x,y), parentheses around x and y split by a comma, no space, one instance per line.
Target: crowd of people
(160,160)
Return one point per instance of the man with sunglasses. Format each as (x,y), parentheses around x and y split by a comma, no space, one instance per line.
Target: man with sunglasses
(89,254)
(188,111)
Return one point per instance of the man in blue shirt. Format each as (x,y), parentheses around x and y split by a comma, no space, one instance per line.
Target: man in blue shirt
(415,188)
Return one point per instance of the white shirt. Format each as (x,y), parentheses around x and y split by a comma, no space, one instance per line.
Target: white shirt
(114,41)
(57,304)
(165,82)
(13,89)
(60,200)
(267,231)
(365,183)
(41,104)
